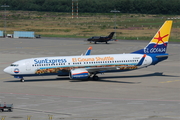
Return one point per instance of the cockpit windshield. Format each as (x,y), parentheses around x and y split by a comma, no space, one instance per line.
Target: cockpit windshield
(15,65)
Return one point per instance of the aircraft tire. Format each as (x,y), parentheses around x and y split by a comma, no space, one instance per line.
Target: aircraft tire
(22,80)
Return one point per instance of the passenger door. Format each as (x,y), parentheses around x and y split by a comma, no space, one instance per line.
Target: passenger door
(28,66)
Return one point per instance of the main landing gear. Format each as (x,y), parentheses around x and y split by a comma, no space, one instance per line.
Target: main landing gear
(95,77)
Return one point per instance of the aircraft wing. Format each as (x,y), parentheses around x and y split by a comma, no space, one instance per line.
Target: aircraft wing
(100,69)
(88,52)
(96,37)
(107,68)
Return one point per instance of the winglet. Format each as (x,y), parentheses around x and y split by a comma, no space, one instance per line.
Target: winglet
(159,42)
(88,52)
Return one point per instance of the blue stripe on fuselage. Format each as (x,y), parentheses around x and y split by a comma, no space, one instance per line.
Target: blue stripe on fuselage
(141,61)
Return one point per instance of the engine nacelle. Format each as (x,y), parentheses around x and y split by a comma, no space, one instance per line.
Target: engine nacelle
(79,74)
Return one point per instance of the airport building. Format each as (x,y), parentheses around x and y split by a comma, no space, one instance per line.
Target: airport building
(24,34)
(1,34)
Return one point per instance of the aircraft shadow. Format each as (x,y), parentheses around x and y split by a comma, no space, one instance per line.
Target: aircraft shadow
(40,80)
(102,79)
(145,75)
(67,79)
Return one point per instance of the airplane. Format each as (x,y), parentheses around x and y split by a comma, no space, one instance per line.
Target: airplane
(88,66)
(96,39)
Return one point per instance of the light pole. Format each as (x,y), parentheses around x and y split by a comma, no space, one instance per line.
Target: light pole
(115,11)
(74,3)
(5,6)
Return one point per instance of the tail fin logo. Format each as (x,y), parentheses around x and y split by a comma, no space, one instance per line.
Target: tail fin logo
(160,39)
(159,42)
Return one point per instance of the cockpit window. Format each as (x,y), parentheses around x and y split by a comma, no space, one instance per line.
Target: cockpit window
(15,65)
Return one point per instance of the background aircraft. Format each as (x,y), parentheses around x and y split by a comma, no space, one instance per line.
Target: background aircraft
(105,39)
(86,66)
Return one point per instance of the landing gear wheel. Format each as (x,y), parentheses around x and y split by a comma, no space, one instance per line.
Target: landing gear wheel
(95,42)
(22,80)
(95,78)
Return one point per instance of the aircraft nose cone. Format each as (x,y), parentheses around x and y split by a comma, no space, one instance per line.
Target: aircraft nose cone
(6,70)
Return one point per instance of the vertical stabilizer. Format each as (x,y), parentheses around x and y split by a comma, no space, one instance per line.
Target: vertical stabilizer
(159,42)
(111,35)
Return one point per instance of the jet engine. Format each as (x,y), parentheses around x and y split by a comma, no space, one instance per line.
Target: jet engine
(79,74)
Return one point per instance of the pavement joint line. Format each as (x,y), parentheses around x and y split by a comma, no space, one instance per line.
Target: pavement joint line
(4,78)
(170,81)
(80,97)
(35,110)
(5,63)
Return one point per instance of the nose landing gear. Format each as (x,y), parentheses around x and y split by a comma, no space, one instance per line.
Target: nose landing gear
(22,79)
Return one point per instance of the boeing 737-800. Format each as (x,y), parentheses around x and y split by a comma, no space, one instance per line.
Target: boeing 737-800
(86,66)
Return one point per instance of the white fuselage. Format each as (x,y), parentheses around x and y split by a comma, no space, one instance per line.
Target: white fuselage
(61,65)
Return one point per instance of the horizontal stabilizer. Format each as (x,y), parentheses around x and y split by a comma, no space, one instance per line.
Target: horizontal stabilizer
(161,56)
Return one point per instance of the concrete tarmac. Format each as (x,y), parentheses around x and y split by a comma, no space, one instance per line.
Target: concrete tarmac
(151,93)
